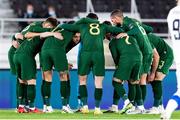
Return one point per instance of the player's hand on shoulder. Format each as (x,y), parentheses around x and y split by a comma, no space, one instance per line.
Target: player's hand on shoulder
(19,36)
(121,35)
(58,35)
(15,44)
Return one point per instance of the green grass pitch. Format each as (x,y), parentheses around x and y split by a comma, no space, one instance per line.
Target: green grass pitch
(10,114)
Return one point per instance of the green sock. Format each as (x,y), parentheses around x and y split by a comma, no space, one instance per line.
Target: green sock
(116,98)
(31,93)
(64,95)
(68,90)
(83,94)
(143,90)
(139,100)
(17,92)
(20,93)
(157,90)
(46,92)
(25,100)
(120,90)
(98,96)
(132,92)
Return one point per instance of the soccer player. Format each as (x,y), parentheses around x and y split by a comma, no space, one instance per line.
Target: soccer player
(53,54)
(174,27)
(128,59)
(133,28)
(91,55)
(25,63)
(157,75)
(16,41)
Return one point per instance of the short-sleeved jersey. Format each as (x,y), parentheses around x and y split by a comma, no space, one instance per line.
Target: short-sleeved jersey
(125,50)
(92,34)
(135,29)
(54,43)
(33,46)
(160,45)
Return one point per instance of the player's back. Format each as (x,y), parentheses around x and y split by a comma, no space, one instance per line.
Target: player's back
(52,43)
(159,43)
(92,36)
(32,46)
(127,49)
(132,26)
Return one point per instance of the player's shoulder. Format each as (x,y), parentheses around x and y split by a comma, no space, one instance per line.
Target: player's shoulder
(36,23)
(174,10)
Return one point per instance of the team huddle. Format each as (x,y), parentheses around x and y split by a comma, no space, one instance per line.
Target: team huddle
(140,57)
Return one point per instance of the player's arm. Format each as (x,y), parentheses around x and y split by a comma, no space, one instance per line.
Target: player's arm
(114,52)
(57,35)
(70,27)
(15,43)
(115,30)
(154,65)
(147,28)
(29,35)
(35,32)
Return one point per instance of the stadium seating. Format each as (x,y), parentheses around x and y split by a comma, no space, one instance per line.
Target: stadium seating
(69,8)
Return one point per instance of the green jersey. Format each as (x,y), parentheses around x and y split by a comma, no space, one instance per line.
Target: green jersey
(33,46)
(12,48)
(54,43)
(135,29)
(92,33)
(125,50)
(160,45)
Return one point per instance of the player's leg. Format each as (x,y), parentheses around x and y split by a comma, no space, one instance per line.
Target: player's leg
(146,65)
(99,72)
(21,95)
(134,93)
(69,83)
(84,65)
(31,93)
(11,53)
(46,91)
(174,102)
(163,69)
(118,87)
(46,64)
(64,92)
(83,93)
(157,91)
(98,93)
(21,85)
(122,73)
(61,66)
(28,74)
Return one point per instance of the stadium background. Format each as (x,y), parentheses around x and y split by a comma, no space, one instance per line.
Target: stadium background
(150,12)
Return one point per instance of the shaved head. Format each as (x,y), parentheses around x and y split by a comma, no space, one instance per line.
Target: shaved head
(117,13)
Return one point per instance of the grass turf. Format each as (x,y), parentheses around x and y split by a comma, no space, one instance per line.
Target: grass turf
(10,114)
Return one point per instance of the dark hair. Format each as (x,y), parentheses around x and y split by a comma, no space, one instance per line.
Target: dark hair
(71,22)
(107,22)
(117,12)
(52,20)
(29,3)
(92,16)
